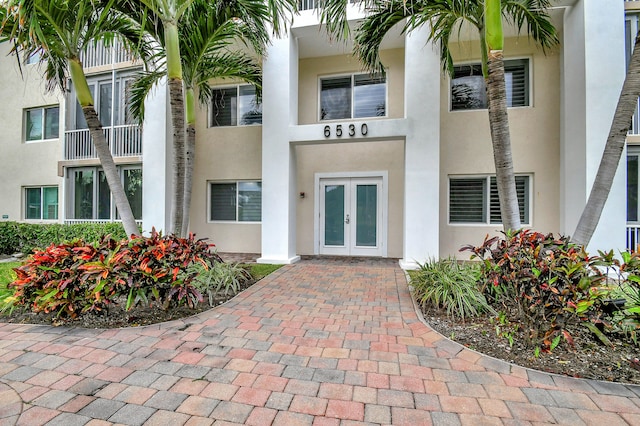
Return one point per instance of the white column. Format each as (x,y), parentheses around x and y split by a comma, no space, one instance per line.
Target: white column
(592,75)
(422,150)
(279,111)
(156,160)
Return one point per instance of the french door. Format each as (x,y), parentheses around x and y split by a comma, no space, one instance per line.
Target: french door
(351,216)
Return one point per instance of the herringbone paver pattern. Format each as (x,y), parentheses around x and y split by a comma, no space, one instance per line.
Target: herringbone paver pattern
(319,342)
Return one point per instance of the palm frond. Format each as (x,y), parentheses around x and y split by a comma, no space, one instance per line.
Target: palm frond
(533,15)
(144,82)
(233,65)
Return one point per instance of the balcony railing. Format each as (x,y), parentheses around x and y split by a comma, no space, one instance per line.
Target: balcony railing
(311,4)
(98,55)
(633,236)
(73,221)
(124,141)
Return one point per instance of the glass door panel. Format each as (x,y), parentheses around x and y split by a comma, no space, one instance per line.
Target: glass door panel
(334,215)
(366,215)
(83,194)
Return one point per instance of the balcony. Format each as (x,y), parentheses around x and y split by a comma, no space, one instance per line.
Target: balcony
(125,141)
(98,55)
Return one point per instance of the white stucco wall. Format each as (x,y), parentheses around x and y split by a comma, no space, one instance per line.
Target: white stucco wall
(32,163)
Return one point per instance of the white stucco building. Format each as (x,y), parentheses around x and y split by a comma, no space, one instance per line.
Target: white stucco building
(338,162)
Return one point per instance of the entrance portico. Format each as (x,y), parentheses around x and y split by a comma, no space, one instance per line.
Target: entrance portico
(418,130)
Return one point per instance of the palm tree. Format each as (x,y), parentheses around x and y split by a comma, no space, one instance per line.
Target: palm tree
(170,13)
(498,117)
(445,18)
(60,30)
(612,151)
(206,35)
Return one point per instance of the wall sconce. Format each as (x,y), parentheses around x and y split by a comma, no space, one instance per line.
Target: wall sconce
(302,194)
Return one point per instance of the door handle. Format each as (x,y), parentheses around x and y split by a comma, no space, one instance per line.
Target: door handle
(346,220)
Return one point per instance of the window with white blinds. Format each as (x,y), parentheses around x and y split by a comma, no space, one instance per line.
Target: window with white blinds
(235,201)
(468,89)
(475,199)
(354,96)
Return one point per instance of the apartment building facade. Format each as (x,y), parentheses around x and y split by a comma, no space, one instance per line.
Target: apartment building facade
(336,161)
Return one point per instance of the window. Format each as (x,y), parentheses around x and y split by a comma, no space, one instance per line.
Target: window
(235,201)
(42,123)
(468,90)
(34,58)
(355,96)
(633,181)
(475,199)
(235,106)
(108,94)
(41,203)
(90,197)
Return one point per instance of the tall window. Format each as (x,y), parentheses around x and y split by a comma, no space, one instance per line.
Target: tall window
(354,96)
(475,199)
(42,123)
(110,97)
(468,89)
(235,201)
(633,187)
(41,203)
(90,197)
(235,106)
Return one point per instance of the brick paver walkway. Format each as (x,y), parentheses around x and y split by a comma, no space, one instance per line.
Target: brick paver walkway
(318,343)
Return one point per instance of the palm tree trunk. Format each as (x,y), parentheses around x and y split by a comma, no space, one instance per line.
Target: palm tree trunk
(176,99)
(498,117)
(102,148)
(177,121)
(110,170)
(612,151)
(188,175)
(501,140)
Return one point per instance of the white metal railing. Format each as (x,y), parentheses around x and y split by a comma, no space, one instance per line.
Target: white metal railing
(311,4)
(98,55)
(72,221)
(633,236)
(124,141)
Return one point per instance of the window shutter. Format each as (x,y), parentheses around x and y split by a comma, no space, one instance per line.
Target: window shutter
(224,107)
(466,200)
(223,201)
(335,98)
(517,79)
(522,191)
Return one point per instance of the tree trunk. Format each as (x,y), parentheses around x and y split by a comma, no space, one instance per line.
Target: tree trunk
(501,140)
(188,175)
(613,149)
(110,170)
(177,122)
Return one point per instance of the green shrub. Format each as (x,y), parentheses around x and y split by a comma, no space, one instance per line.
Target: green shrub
(7,275)
(25,237)
(75,277)
(221,278)
(449,285)
(550,280)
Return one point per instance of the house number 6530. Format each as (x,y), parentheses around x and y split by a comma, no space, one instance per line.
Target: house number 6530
(350,130)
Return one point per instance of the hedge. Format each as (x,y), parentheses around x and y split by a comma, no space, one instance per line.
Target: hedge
(24,237)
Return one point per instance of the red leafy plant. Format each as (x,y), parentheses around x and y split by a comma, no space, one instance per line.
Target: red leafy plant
(73,278)
(551,281)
